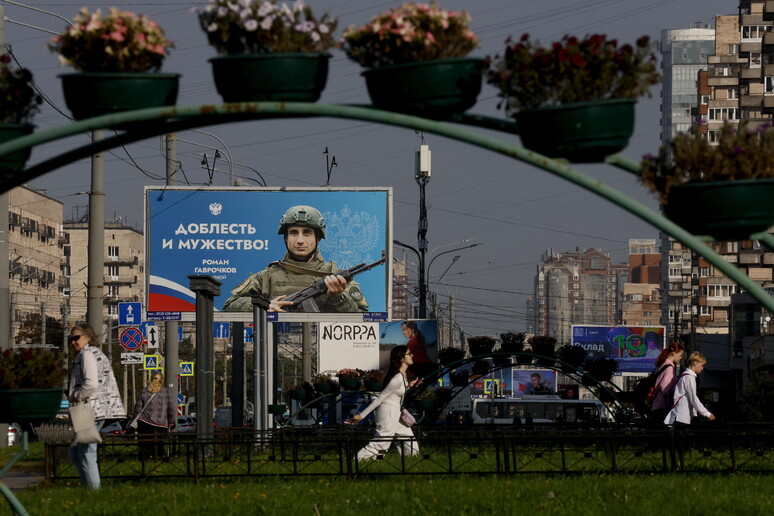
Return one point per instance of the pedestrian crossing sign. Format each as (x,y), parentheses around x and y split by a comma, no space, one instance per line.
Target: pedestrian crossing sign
(152,362)
(186,368)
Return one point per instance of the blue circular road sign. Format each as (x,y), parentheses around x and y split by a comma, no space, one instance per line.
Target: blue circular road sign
(131,339)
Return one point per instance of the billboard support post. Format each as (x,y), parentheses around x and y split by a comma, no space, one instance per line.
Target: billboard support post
(306,352)
(206,288)
(261,378)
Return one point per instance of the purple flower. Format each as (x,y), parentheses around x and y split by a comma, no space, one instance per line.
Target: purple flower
(738,149)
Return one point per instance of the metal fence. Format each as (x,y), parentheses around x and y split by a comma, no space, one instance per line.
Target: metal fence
(443,450)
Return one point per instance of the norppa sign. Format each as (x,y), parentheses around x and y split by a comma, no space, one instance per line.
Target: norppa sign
(349,332)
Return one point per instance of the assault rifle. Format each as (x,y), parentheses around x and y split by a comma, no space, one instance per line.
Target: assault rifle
(303,300)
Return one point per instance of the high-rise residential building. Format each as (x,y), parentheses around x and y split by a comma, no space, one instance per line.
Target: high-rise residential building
(38,269)
(123,267)
(577,287)
(400,304)
(641,306)
(684,53)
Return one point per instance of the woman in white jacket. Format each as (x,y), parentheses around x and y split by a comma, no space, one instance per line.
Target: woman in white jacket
(686,402)
(388,425)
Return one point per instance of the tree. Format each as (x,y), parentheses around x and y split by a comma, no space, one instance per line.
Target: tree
(31,331)
(756,401)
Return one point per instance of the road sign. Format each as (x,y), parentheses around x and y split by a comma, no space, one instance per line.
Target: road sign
(180,334)
(131,358)
(151,332)
(221,330)
(186,368)
(131,339)
(152,363)
(129,314)
(180,399)
(248,333)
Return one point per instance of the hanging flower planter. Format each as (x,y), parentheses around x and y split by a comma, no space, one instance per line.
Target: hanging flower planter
(297,394)
(350,384)
(91,94)
(15,161)
(373,386)
(725,210)
(29,404)
(277,77)
(583,132)
(322,388)
(433,89)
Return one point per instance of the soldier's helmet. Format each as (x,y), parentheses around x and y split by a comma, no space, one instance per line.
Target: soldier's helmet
(303,216)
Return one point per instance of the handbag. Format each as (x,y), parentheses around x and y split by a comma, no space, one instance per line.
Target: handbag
(133,423)
(82,418)
(406,418)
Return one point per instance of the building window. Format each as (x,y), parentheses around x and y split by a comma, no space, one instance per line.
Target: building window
(732,94)
(720,291)
(113,252)
(705,100)
(704,310)
(754,31)
(755,59)
(733,49)
(113,290)
(675,273)
(713,136)
(704,272)
(112,270)
(113,310)
(723,113)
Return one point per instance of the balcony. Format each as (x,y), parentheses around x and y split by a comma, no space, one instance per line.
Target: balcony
(723,80)
(63,239)
(768,10)
(751,73)
(751,101)
(122,260)
(121,279)
(751,46)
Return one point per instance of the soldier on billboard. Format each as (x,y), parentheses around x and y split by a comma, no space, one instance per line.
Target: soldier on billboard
(303,227)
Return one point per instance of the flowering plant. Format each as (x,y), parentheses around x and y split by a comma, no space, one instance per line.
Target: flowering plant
(263,26)
(374,375)
(349,373)
(321,377)
(411,32)
(741,153)
(118,42)
(31,369)
(18,100)
(571,70)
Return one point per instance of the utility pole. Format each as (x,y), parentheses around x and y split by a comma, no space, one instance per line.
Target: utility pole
(96,246)
(171,345)
(422,170)
(5,282)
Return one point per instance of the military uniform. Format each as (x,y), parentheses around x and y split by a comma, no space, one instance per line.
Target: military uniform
(276,280)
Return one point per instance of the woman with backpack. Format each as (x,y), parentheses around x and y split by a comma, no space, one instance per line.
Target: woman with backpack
(666,365)
(686,400)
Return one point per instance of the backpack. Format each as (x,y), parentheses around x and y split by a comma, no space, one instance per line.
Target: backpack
(645,389)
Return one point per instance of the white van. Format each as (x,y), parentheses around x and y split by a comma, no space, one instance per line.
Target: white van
(541,410)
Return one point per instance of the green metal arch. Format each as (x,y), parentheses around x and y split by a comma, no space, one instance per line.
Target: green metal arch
(144,123)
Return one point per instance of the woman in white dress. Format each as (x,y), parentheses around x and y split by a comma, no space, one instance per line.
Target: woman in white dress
(388,425)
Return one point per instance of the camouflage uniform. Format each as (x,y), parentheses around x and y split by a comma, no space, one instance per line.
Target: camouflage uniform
(275,281)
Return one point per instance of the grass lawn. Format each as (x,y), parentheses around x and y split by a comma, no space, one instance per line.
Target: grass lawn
(530,494)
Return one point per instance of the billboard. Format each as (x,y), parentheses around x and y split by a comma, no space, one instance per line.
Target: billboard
(420,335)
(533,382)
(347,345)
(231,234)
(635,348)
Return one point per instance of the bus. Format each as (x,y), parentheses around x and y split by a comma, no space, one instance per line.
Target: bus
(541,409)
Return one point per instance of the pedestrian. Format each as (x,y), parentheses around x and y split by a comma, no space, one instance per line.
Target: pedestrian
(686,402)
(417,344)
(667,363)
(388,407)
(156,411)
(92,379)
(302,227)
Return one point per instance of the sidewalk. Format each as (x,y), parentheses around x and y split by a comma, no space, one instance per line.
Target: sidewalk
(18,480)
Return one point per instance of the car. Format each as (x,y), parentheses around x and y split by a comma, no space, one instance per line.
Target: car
(185,424)
(113,429)
(14,434)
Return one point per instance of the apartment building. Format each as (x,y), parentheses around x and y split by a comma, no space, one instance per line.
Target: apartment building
(123,267)
(38,269)
(576,287)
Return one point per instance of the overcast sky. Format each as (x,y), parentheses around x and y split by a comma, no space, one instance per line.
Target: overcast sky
(515,210)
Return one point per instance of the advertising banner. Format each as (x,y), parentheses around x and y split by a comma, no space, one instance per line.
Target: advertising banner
(635,348)
(232,235)
(348,345)
(421,337)
(533,382)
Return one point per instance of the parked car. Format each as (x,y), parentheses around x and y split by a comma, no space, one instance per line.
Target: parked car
(14,434)
(185,424)
(115,428)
